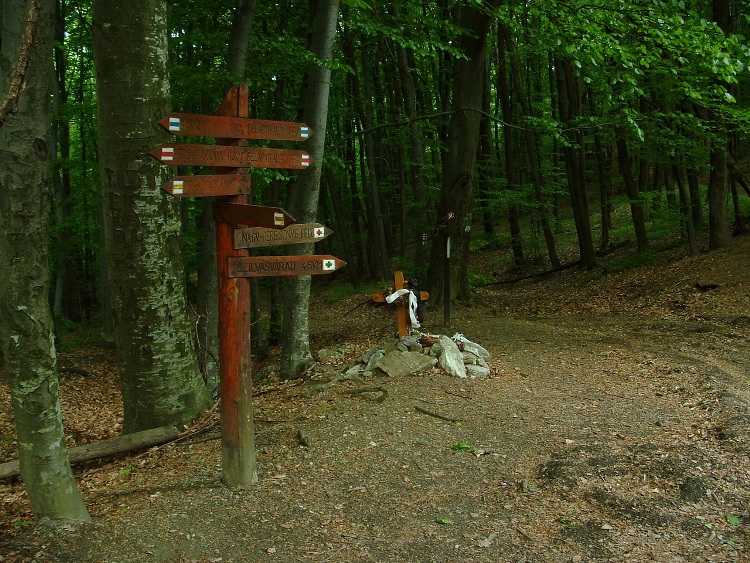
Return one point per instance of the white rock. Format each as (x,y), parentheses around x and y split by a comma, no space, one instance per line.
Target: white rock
(451,359)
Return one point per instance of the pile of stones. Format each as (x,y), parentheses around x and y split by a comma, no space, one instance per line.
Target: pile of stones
(457,356)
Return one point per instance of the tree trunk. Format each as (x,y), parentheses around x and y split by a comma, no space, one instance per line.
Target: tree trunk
(161,382)
(687,218)
(239,35)
(207,334)
(636,203)
(605,198)
(719,234)
(531,150)
(295,342)
(416,213)
(26,333)
(376,232)
(459,157)
(569,106)
(511,157)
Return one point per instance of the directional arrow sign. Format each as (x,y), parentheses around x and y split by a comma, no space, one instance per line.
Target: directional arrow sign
(217,185)
(231,157)
(258,215)
(257,266)
(254,237)
(234,127)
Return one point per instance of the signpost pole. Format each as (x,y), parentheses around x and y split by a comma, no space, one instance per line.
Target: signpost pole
(238,462)
(260,226)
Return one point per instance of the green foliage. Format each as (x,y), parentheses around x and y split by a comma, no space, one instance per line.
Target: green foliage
(344,290)
(479,280)
(632,261)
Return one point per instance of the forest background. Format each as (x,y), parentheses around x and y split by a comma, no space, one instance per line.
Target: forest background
(508,116)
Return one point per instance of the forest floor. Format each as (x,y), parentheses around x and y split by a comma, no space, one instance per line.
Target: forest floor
(614,426)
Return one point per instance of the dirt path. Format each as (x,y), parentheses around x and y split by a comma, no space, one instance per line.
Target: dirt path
(615,426)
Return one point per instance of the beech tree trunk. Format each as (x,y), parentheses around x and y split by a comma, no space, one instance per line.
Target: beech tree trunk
(460,155)
(569,106)
(26,333)
(295,340)
(719,234)
(631,187)
(161,382)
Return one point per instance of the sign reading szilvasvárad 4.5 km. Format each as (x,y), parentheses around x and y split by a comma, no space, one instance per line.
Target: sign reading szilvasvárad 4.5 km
(257,266)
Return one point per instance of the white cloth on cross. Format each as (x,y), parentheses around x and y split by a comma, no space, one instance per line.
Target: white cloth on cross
(412,304)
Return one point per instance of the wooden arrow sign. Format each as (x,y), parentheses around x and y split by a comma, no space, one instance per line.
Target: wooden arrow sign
(234,127)
(255,237)
(230,156)
(256,215)
(257,266)
(216,185)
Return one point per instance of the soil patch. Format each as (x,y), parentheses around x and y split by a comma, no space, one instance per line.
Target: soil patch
(614,425)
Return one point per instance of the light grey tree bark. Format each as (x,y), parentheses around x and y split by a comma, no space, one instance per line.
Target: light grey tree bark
(160,380)
(26,330)
(295,340)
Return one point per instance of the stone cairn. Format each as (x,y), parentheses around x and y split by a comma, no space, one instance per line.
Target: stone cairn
(457,356)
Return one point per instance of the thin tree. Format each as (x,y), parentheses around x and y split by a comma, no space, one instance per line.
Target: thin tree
(295,341)
(26,329)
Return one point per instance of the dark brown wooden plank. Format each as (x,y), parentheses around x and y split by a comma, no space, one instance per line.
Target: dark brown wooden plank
(184,154)
(256,237)
(234,127)
(252,215)
(209,185)
(257,266)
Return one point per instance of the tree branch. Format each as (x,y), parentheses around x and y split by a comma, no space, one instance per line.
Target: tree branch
(17,81)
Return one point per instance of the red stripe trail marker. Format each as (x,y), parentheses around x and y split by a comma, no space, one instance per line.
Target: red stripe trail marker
(180,154)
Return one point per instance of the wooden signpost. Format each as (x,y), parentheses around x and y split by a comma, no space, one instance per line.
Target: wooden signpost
(201,186)
(254,237)
(244,214)
(230,156)
(257,266)
(262,226)
(234,127)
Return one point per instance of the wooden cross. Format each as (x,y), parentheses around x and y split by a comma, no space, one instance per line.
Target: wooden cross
(402,305)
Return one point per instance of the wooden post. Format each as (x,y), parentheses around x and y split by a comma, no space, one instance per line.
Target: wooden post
(447,279)
(238,462)
(402,307)
(231,187)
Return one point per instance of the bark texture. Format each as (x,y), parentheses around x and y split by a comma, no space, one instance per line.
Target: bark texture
(161,383)
(26,333)
(460,156)
(295,340)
